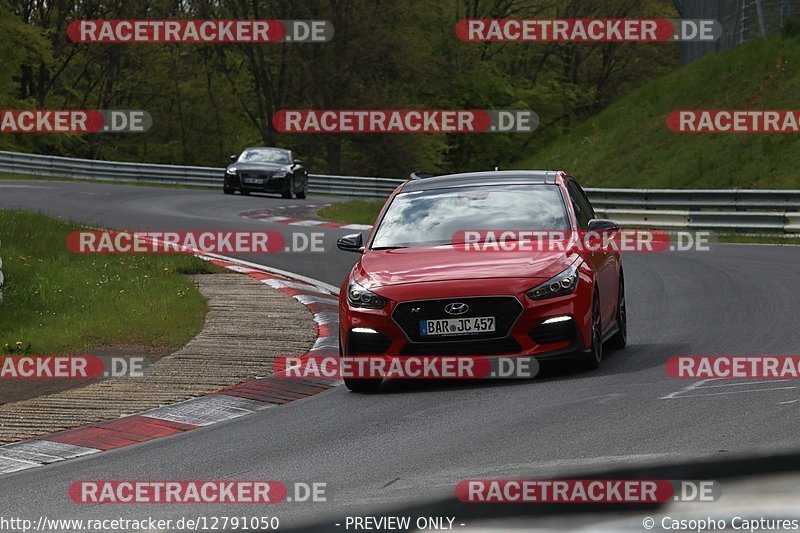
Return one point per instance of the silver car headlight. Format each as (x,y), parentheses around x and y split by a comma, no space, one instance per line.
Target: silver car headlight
(561,285)
(231,171)
(280,174)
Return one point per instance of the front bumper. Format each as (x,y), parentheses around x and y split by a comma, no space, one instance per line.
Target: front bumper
(270,184)
(533,332)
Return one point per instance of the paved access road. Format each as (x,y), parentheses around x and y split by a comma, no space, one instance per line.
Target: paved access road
(413,442)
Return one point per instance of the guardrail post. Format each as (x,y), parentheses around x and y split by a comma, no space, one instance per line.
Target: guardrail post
(792,223)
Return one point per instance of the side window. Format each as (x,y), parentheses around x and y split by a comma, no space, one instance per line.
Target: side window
(585,201)
(583,210)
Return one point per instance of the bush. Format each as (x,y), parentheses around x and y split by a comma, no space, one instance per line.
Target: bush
(791,28)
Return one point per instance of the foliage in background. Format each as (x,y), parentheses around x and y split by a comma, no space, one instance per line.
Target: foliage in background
(629,145)
(209,101)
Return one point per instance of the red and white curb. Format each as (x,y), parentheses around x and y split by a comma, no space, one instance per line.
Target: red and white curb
(234,402)
(273,215)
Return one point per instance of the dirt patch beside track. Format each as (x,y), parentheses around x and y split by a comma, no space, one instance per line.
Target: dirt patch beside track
(247,326)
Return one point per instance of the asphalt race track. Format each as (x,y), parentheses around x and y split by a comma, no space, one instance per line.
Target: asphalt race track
(415,442)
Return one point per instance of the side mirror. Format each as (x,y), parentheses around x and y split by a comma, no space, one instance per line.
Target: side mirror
(233,158)
(297,162)
(602,224)
(351,243)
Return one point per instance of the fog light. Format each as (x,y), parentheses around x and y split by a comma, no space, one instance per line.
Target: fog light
(556,319)
(364,330)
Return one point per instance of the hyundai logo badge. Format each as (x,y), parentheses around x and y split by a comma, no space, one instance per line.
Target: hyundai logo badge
(456,308)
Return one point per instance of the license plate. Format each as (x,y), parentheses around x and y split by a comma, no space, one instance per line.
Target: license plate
(457,326)
(254,181)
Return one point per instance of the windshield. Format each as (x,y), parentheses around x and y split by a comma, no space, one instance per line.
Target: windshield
(432,217)
(261,155)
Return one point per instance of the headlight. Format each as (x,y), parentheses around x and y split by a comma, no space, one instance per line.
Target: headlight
(358,296)
(560,285)
(279,174)
(231,171)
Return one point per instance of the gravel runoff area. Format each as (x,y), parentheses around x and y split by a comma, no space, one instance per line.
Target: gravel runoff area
(247,326)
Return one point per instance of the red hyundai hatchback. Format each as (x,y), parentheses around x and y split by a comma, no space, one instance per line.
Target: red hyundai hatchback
(414,279)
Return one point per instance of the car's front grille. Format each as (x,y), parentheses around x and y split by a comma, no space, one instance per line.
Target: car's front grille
(563,331)
(504,309)
(504,346)
(254,175)
(368,343)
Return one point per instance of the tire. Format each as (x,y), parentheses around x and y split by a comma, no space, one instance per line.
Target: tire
(619,340)
(363,385)
(591,360)
(227,190)
(287,194)
(302,194)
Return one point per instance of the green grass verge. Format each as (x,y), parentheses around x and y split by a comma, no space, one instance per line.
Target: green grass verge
(353,211)
(629,144)
(66,303)
(759,239)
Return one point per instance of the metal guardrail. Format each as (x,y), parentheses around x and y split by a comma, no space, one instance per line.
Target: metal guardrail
(352,185)
(46,165)
(709,209)
(743,210)
(732,200)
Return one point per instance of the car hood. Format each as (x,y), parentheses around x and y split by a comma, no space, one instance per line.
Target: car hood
(250,167)
(381,268)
